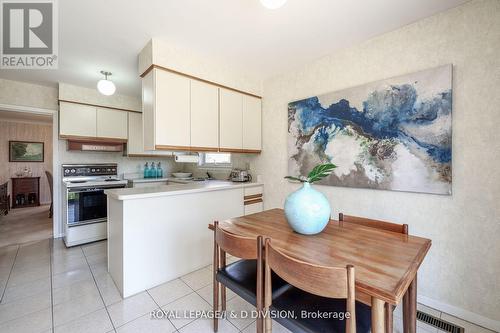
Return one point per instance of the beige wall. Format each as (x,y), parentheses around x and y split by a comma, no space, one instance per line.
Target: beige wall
(28,94)
(463,266)
(20,131)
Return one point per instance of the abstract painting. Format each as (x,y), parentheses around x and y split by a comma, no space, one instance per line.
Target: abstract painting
(23,151)
(393,134)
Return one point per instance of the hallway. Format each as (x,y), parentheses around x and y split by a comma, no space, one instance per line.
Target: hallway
(25,225)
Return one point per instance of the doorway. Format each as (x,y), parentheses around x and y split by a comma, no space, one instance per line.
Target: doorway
(26,169)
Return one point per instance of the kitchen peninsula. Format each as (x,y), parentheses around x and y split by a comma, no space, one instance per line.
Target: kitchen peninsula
(156,234)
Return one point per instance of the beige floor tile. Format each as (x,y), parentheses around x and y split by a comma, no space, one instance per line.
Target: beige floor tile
(277,328)
(145,324)
(198,279)
(108,290)
(70,277)
(242,312)
(169,292)
(469,327)
(181,308)
(99,268)
(23,306)
(77,307)
(131,308)
(26,290)
(207,293)
(74,291)
(68,264)
(100,258)
(100,247)
(206,325)
(37,322)
(21,277)
(95,322)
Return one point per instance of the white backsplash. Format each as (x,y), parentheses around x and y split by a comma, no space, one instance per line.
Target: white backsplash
(125,164)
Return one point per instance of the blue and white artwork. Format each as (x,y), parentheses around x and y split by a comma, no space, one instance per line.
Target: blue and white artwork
(393,134)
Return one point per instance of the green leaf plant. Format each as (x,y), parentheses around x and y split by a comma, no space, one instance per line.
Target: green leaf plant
(319,172)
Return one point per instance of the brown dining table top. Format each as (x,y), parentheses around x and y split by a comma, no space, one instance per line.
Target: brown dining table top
(385,262)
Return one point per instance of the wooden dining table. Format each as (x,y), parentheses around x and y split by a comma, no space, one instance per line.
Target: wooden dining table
(386,263)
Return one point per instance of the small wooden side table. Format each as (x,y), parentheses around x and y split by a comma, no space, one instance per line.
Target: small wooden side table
(25,192)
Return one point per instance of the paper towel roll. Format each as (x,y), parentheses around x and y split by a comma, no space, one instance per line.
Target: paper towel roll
(187,158)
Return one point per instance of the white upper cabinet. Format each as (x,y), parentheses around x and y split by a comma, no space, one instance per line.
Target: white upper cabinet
(204,116)
(112,124)
(231,120)
(252,123)
(190,114)
(135,145)
(77,120)
(172,110)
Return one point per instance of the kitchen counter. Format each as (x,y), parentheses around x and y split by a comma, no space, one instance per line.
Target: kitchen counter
(159,233)
(182,187)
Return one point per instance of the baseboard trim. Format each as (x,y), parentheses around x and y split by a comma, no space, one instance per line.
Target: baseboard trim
(461,313)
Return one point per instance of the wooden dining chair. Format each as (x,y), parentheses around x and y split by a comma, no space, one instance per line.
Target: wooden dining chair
(382,225)
(244,277)
(316,289)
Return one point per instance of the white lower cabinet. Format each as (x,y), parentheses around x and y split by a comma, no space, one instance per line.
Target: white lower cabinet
(252,199)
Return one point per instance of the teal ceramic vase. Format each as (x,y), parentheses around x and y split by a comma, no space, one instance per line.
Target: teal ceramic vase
(307,210)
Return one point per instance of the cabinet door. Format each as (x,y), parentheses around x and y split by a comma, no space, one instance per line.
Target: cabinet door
(111,123)
(135,144)
(252,123)
(231,104)
(204,116)
(77,120)
(172,111)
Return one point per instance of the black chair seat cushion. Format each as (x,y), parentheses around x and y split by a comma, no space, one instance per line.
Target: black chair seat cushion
(296,300)
(241,278)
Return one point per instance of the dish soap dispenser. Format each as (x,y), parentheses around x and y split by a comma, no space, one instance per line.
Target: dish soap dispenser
(153,170)
(146,170)
(159,171)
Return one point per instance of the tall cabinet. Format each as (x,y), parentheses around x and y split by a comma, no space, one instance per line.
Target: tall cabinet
(181,112)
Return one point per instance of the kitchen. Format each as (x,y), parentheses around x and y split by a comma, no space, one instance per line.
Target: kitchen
(217,163)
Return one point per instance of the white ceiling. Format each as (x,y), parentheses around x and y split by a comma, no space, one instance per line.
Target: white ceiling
(97,34)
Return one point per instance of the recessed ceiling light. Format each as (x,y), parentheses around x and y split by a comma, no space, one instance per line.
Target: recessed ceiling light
(272,4)
(105,86)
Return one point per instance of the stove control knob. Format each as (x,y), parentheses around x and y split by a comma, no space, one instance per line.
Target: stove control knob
(98,170)
(73,170)
(66,171)
(93,170)
(108,170)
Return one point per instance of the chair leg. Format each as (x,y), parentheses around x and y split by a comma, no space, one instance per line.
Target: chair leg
(388,317)
(51,210)
(223,297)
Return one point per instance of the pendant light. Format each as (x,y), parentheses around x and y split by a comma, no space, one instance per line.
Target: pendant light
(105,86)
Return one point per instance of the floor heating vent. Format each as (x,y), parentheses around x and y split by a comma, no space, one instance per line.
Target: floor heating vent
(439,323)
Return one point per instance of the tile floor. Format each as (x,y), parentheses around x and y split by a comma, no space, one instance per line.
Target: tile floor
(25,225)
(45,287)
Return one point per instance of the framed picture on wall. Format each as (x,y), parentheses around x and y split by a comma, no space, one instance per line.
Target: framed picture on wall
(25,151)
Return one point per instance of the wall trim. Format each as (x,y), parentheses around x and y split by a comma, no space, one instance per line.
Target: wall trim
(461,313)
(29,109)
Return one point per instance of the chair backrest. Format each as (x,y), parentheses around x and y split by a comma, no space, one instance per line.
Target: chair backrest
(383,225)
(238,246)
(332,282)
(51,184)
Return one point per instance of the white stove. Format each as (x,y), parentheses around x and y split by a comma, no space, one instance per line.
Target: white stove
(84,202)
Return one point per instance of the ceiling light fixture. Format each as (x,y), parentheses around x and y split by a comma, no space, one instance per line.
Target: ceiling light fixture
(272,4)
(106,87)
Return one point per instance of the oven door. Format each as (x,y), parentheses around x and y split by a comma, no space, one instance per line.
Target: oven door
(87,205)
